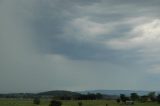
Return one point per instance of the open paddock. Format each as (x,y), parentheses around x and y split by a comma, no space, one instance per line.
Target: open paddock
(45,102)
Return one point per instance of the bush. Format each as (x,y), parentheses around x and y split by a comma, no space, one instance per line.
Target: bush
(36,101)
(118,100)
(79,103)
(158,98)
(55,103)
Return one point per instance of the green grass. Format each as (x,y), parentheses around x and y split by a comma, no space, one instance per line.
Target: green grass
(29,102)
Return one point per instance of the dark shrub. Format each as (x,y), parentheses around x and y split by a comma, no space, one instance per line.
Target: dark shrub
(144,98)
(134,96)
(118,100)
(36,101)
(80,104)
(55,103)
(158,98)
(123,98)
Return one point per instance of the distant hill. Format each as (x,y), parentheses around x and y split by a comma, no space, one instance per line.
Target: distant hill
(63,93)
(116,92)
(59,93)
(56,93)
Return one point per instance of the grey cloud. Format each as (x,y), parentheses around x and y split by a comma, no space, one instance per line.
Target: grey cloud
(50,21)
(35,46)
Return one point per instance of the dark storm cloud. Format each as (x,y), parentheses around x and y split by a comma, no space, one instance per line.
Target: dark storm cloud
(58,42)
(52,17)
(49,23)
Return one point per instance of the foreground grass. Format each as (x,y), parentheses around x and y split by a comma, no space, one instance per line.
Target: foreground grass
(29,102)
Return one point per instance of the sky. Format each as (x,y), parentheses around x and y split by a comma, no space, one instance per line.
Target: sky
(79,45)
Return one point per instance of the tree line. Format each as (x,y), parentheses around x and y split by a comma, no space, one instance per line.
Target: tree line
(89,96)
(150,97)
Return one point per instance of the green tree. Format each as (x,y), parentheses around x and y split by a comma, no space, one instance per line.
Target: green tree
(152,96)
(123,97)
(99,96)
(158,98)
(134,96)
(144,98)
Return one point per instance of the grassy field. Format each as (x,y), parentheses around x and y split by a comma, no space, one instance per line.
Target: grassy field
(22,102)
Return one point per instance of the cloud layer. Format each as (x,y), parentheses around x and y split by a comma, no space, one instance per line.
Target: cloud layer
(79,44)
